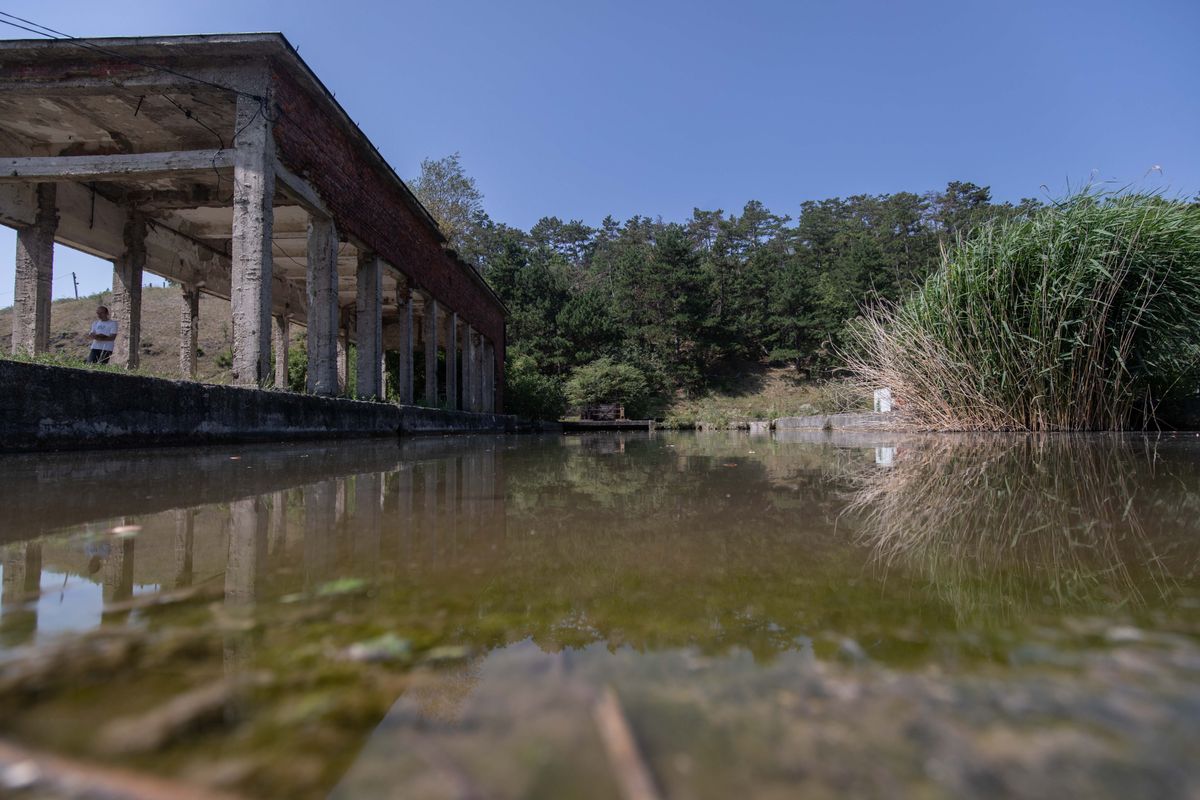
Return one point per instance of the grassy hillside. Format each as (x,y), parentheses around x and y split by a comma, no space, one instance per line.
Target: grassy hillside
(71,320)
(756,392)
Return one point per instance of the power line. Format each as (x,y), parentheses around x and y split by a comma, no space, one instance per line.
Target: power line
(51,33)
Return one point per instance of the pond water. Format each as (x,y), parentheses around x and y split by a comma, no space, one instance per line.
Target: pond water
(815,615)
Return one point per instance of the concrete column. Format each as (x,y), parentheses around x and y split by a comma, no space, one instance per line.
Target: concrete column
(189,329)
(489,377)
(452,362)
(343,358)
(479,372)
(368,316)
(477,395)
(322,306)
(127,293)
(431,351)
(468,377)
(253,219)
(35,276)
(281,336)
(405,389)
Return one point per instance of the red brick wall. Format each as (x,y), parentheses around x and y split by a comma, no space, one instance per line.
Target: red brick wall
(367,203)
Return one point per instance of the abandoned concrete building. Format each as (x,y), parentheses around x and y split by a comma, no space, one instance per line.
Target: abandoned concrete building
(224,165)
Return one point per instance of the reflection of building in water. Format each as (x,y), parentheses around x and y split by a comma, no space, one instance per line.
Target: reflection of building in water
(320,517)
(367,520)
(185,543)
(22,565)
(247,550)
(118,570)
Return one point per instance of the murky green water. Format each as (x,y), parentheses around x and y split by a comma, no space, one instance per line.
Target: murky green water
(819,616)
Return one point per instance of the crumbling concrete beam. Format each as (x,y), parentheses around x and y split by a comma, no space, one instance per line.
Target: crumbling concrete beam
(143,166)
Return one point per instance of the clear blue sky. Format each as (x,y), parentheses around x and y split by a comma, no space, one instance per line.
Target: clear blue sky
(582,109)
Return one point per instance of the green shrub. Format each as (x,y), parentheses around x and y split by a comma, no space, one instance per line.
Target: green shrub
(1079,316)
(529,393)
(606,381)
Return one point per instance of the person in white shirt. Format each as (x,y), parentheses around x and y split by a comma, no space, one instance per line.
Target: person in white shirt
(104,333)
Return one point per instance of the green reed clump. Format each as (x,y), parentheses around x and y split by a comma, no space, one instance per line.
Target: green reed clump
(1080,316)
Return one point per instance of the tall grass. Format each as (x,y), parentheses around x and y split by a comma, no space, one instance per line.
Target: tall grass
(1081,316)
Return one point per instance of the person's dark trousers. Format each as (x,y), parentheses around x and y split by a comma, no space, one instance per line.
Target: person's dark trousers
(99,356)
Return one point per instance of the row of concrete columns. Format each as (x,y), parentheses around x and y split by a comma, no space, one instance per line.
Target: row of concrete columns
(253,328)
(328,331)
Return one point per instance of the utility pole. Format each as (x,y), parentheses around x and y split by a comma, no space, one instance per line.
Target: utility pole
(76,285)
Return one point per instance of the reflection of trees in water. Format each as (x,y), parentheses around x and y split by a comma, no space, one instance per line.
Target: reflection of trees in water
(1005,524)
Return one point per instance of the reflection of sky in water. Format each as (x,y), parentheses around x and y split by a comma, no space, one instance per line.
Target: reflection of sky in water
(68,603)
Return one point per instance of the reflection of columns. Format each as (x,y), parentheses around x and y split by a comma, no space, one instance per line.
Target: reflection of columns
(247,550)
(322,306)
(35,276)
(118,571)
(185,521)
(452,361)
(18,595)
(253,220)
(189,329)
(367,520)
(451,505)
(472,492)
(429,509)
(488,480)
(281,336)
(468,372)
(431,351)
(368,315)
(277,540)
(319,526)
(489,377)
(127,292)
(405,307)
(404,509)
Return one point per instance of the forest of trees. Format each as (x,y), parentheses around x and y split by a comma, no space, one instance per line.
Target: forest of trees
(662,306)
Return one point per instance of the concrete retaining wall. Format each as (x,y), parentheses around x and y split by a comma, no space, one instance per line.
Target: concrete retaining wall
(59,408)
(832,422)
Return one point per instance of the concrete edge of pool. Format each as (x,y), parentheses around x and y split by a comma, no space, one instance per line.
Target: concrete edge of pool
(62,408)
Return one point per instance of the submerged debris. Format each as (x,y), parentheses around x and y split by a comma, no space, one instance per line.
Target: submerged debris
(385,648)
